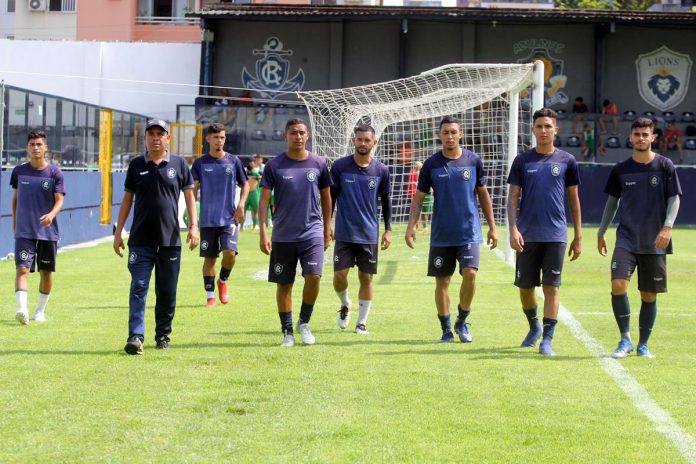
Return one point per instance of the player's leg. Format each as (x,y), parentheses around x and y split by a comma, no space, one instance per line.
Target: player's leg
(281,271)
(209,250)
(167,266)
(141,260)
(46,264)
(344,259)
(527,269)
(652,279)
(228,239)
(442,262)
(468,258)
(311,255)
(623,264)
(553,254)
(25,257)
(367,257)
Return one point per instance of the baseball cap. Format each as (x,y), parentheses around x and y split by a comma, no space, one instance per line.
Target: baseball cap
(157,123)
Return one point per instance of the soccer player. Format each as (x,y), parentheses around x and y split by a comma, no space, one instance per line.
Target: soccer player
(155,180)
(358,180)
(645,190)
(217,175)
(457,179)
(302,226)
(37,198)
(543,177)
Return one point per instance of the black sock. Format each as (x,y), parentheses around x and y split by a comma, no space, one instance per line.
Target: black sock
(463,313)
(286,322)
(646,320)
(445,323)
(531,317)
(209,283)
(305,312)
(224,273)
(549,327)
(622,312)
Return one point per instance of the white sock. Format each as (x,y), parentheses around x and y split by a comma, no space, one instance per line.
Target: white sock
(21,296)
(43,300)
(343,296)
(210,294)
(364,311)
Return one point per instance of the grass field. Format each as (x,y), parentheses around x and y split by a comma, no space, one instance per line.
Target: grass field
(227,392)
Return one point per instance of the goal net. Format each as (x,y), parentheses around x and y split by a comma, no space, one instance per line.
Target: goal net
(492,101)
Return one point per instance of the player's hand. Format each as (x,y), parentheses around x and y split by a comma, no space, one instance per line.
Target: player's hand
(265,244)
(333,237)
(492,237)
(516,240)
(575,248)
(118,244)
(239,215)
(386,239)
(410,237)
(193,237)
(46,219)
(328,235)
(601,245)
(663,238)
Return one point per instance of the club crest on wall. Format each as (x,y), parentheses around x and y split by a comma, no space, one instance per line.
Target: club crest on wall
(272,71)
(663,77)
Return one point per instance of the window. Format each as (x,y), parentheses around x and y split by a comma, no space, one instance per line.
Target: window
(10,6)
(62,5)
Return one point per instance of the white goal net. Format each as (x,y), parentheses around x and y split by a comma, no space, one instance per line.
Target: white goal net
(492,101)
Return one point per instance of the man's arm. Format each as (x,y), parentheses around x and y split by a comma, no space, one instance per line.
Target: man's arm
(264,201)
(123,213)
(47,219)
(387,214)
(607,216)
(325,195)
(193,236)
(14,210)
(665,233)
(576,217)
(196,186)
(516,239)
(487,209)
(416,207)
(243,195)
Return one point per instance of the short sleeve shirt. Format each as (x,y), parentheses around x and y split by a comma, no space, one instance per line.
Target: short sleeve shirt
(218,178)
(36,189)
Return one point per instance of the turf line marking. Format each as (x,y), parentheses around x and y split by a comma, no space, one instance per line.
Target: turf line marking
(639,396)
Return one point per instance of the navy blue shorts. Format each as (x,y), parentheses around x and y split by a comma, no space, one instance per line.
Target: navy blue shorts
(442,261)
(545,258)
(30,253)
(215,239)
(284,257)
(652,269)
(347,254)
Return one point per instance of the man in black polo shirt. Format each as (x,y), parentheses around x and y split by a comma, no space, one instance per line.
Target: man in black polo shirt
(155,180)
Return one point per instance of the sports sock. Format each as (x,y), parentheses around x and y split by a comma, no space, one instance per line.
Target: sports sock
(622,314)
(364,310)
(305,312)
(463,313)
(255,222)
(285,322)
(224,273)
(445,323)
(549,327)
(646,320)
(21,296)
(209,284)
(531,317)
(43,300)
(343,296)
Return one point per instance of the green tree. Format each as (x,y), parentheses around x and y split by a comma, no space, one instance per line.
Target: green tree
(639,5)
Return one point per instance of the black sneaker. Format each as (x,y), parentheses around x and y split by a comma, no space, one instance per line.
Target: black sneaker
(162,343)
(134,345)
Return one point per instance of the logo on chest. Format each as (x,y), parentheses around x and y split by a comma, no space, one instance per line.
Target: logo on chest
(466,174)
(311,176)
(228,170)
(46,184)
(654,180)
(372,183)
(171,173)
(556,170)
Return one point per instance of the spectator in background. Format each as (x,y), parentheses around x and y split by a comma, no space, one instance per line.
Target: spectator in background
(579,113)
(252,204)
(609,110)
(672,140)
(588,143)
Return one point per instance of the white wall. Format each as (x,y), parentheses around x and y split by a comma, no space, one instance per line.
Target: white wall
(7,21)
(56,25)
(103,69)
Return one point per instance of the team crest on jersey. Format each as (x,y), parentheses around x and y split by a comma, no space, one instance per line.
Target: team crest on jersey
(466,174)
(132,257)
(438,262)
(372,183)
(24,255)
(171,173)
(278,268)
(311,175)
(555,170)
(45,184)
(228,170)
(654,180)
(204,245)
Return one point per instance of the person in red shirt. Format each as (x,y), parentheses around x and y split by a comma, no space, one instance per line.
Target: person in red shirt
(609,110)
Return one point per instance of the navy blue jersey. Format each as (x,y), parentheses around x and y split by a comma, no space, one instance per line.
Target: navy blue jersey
(156,188)
(218,178)
(643,190)
(36,189)
(357,190)
(295,185)
(543,180)
(456,218)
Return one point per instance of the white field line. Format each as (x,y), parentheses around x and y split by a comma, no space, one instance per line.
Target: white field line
(639,396)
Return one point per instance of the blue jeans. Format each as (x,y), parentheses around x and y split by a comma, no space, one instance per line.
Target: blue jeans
(167,262)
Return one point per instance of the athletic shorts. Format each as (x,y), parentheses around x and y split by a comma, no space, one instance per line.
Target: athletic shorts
(40,253)
(427,204)
(347,254)
(652,269)
(443,260)
(545,258)
(284,257)
(215,239)
(252,202)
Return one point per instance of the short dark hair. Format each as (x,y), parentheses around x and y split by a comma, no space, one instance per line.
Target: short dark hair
(606,102)
(643,122)
(579,99)
(544,113)
(215,128)
(449,120)
(36,134)
(295,122)
(364,128)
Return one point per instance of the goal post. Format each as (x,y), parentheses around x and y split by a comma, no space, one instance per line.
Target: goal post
(494,103)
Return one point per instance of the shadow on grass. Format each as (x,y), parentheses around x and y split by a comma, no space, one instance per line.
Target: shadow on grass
(487,353)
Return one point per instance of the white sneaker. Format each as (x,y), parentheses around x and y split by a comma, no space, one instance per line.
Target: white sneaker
(22,316)
(288,340)
(343,317)
(361,329)
(39,316)
(305,333)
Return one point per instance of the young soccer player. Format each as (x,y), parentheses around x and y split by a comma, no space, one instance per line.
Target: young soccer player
(37,198)
(217,174)
(645,190)
(458,182)
(543,178)
(358,180)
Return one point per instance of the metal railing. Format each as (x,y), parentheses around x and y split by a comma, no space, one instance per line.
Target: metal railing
(167,20)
